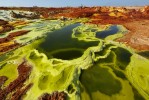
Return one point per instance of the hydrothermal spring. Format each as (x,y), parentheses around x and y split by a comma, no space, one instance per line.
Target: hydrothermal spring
(79,60)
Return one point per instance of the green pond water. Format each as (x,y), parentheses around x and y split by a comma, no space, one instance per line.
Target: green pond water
(103,34)
(70,57)
(60,44)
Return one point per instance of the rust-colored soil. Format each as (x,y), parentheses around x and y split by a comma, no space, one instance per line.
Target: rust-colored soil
(138,37)
(5,27)
(9,47)
(7,43)
(2,80)
(53,96)
(12,35)
(16,88)
(2,22)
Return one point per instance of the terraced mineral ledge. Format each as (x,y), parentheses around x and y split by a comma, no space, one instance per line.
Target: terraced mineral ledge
(44,59)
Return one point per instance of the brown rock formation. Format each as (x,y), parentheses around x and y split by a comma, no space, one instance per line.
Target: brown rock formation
(5,27)
(53,96)
(2,22)
(17,86)
(6,43)
(18,33)
(24,15)
(2,80)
